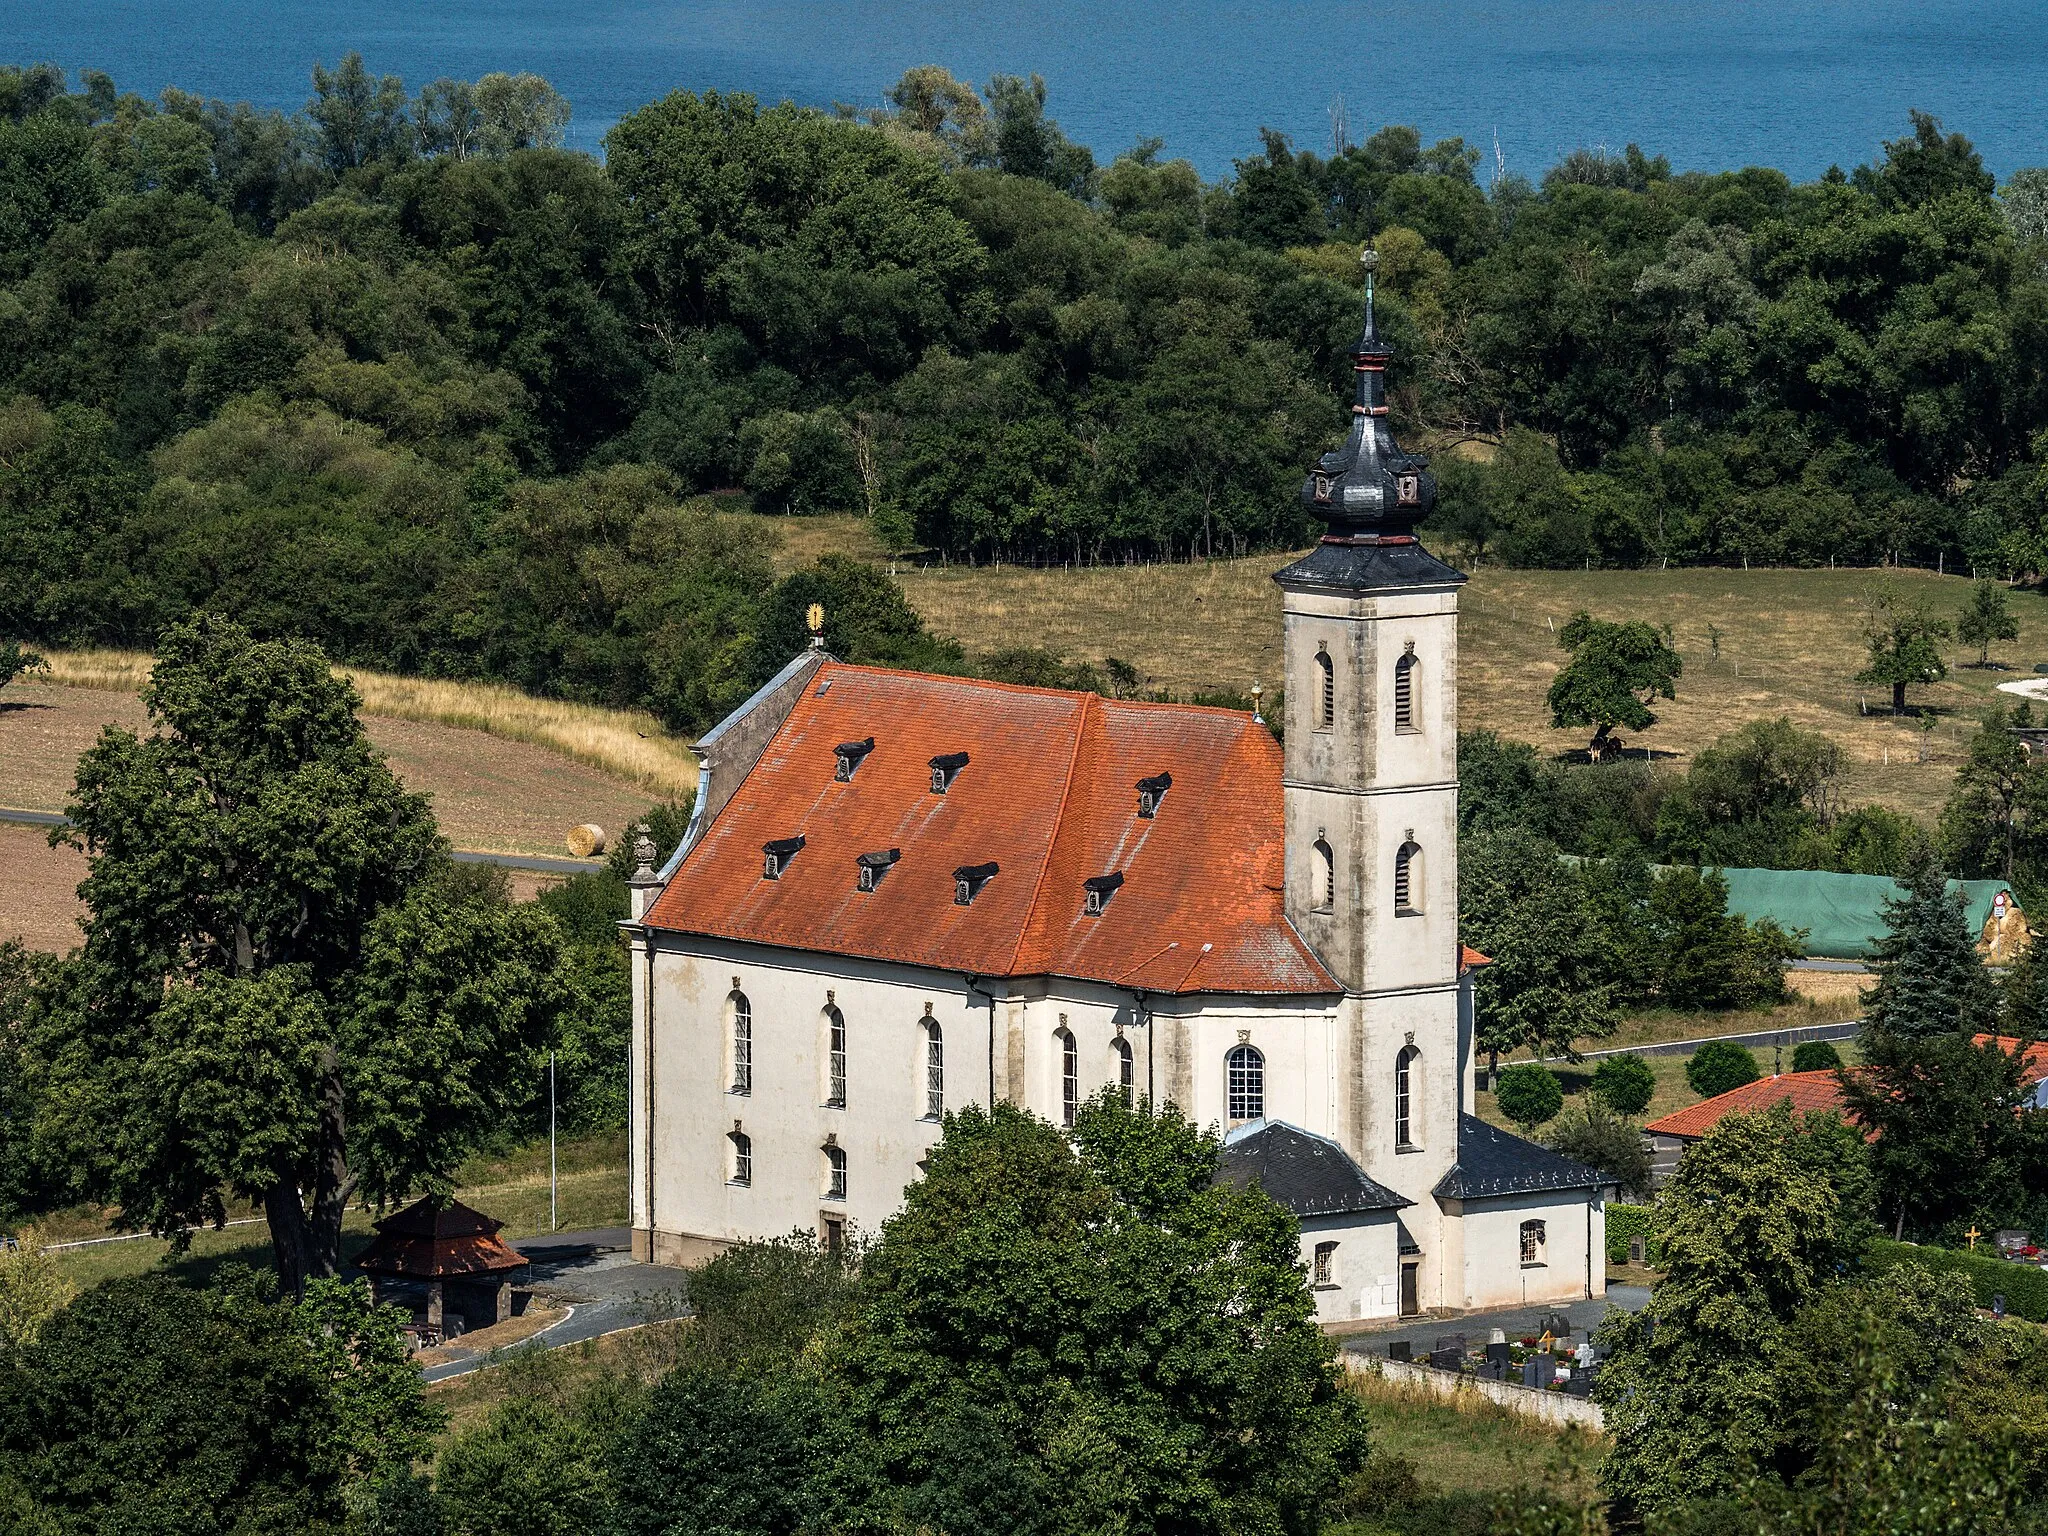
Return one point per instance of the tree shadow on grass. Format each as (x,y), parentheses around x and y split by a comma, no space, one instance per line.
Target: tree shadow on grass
(9,706)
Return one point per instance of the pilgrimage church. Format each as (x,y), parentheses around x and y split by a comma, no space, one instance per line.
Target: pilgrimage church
(902,894)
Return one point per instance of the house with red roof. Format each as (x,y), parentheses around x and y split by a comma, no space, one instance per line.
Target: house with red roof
(902,894)
(1807,1092)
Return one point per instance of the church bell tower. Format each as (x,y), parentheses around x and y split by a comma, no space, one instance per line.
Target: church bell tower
(1371,791)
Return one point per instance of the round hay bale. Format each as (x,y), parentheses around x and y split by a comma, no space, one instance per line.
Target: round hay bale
(586,841)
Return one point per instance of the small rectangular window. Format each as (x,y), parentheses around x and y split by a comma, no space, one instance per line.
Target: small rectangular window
(1534,1238)
(1326,1254)
(742,1158)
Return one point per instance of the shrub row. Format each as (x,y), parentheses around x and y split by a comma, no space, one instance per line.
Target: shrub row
(1625,1222)
(2024,1287)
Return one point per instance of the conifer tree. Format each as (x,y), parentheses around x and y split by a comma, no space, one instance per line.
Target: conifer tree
(1929,981)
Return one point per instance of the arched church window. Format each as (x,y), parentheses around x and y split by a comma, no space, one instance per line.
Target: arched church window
(1325,876)
(742,1157)
(835,1173)
(835,1058)
(1408,879)
(742,1043)
(1245,1083)
(1404,694)
(1070,1075)
(1126,1068)
(1326,691)
(1404,1098)
(934,1070)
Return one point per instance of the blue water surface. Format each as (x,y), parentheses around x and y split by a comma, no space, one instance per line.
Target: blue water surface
(1798,84)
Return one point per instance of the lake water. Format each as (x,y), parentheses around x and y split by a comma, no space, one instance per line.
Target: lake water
(1798,84)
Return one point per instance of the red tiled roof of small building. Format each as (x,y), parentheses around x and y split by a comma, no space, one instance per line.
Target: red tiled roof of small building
(433,1240)
(1049,795)
(1805,1091)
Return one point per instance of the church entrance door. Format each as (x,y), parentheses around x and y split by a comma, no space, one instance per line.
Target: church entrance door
(1411,1290)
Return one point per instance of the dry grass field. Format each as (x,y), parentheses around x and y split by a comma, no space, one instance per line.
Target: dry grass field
(1790,643)
(491,793)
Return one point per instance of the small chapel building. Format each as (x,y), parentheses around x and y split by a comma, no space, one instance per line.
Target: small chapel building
(902,894)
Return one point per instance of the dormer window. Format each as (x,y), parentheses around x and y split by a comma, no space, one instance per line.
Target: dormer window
(848,755)
(1150,792)
(775,856)
(945,769)
(1408,490)
(872,866)
(1097,890)
(1322,487)
(968,880)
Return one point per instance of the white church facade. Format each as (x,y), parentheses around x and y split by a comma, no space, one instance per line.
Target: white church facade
(901,894)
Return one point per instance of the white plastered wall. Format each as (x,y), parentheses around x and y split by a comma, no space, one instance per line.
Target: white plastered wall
(1486,1252)
(1365,1270)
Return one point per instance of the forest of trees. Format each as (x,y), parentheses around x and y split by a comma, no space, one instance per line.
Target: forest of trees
(400,375)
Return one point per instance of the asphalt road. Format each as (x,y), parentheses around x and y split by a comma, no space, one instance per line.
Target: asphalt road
(1517,1322)
(593,1273)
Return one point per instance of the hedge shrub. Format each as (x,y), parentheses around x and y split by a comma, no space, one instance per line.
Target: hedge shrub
(1815,1056)
(1625,1084)
(1718,1066)
(1628,1221)
(1528,1093)
(2024,1287)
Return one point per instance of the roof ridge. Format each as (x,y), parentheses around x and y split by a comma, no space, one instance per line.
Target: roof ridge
(1044,691)
(1029,927)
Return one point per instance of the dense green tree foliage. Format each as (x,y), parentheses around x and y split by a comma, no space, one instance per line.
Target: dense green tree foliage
(283,996)
(149,1405)
(399,375)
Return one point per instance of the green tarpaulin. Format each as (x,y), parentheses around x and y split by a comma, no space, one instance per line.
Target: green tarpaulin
(1842,914)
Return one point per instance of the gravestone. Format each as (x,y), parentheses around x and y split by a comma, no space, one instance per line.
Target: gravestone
(1400,1349)
(1537,1370)
(1497,1355)
(1581,1384)
(2010,1240)
(1452,1341)
(1638,1249)
(1446,1359)
(1494,1370)
(1558,1324)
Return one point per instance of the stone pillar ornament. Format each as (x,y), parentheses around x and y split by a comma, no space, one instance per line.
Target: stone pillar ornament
(644,883)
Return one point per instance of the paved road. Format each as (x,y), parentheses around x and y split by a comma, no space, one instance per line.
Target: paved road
(1844,1031)
(594,1274)
(1422,1333)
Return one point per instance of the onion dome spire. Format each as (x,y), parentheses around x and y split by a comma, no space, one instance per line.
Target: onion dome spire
(1370,490)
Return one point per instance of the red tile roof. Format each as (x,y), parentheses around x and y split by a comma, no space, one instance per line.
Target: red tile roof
(1049,795)
(1806,1092)
(431,1239)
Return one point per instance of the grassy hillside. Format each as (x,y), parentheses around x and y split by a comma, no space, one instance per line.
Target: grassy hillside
(1790,644)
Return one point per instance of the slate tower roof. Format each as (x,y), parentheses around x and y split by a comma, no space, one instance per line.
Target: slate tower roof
(1371,492)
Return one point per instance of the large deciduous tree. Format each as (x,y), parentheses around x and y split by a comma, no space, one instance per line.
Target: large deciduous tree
(1061,1335)
(1615,672)
(1905,647)
(280,1000)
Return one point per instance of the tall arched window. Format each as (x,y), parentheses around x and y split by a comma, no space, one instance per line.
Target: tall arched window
(1408,880)
(835,1059)
(835,1173)
(1070,1075)
(1126,1068)
(1404,1098)
(934,1071)
(1324,873)
(742,1157)
(1404,694)
(1245,1083)
(1326,691)
(742,1044)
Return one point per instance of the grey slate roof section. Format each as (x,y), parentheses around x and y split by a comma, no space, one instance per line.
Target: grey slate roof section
(1365,566)
(726,753)
(1491,1162)
(1310,1175)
